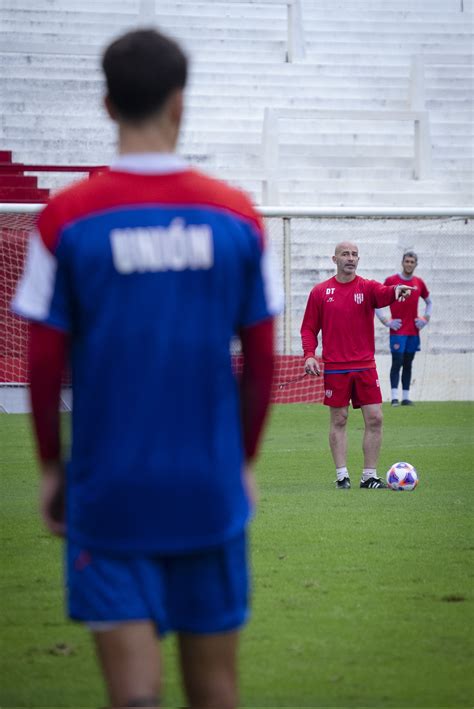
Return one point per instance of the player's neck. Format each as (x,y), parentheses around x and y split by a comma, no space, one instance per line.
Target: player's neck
(342,278)
(406,276)
(147,139)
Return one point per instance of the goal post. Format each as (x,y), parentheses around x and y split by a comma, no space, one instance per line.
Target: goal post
(303,241)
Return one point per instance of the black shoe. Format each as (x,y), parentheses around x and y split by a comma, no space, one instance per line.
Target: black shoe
(343,484)
(407,402)
(395,402)
(372,483)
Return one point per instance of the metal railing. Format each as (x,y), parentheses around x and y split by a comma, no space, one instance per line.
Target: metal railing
(271,139)
(294,19)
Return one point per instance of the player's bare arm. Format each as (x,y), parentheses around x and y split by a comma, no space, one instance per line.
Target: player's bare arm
(52,497)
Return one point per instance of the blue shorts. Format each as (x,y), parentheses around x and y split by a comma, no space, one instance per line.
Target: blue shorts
(404,343)
(205,592)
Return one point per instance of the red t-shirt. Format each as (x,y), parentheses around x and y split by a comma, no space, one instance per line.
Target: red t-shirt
(407,310)
(344,313)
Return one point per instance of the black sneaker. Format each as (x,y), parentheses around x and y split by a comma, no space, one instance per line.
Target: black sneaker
(407,402)
(372,483)
(343,484)
(395,402)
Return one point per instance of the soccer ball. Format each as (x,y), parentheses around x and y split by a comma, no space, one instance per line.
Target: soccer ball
(402,476)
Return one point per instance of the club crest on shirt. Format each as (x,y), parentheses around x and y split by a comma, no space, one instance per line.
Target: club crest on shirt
(359,298)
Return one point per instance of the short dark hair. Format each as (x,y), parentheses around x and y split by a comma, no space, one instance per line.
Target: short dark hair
(410,254)
(142,68)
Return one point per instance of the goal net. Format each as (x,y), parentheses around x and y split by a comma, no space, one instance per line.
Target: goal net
(304,246)
(443,369)
(14,231)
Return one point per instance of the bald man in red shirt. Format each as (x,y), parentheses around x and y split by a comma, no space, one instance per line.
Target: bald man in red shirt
(342,309)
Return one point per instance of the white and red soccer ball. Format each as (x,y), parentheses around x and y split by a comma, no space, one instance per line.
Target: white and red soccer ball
(402,476)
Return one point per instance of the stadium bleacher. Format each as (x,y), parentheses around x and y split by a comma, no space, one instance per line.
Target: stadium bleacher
(358,57)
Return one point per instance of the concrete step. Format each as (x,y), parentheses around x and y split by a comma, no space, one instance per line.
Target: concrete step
(347,55)
(215,105)
(369,59)
(341,186)
(73,66)
(195,123)
(452,6)
(252,41)
(371,199)
(253,31)
(209,112)
(244,27)
(347,172)
(218,82)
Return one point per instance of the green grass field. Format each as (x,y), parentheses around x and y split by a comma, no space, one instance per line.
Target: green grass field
(362,598)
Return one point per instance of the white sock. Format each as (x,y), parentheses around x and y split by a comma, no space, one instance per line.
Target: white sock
(342,473)
(369,473)
(406,394)
(394,393)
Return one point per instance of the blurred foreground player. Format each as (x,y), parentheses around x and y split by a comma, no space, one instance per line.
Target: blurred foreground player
(405,325)
(141,276)
(342,309)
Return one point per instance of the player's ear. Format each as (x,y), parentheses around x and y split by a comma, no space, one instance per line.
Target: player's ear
(334,260)
(176,106)
(110,108)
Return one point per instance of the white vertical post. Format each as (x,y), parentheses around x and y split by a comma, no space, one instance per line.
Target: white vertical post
(146,10)
(422,169)
(270,157)
(296,43)
(417,83)
(287,285)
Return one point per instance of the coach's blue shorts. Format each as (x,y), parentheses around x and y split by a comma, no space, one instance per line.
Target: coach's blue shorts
(404,343)
(205,592)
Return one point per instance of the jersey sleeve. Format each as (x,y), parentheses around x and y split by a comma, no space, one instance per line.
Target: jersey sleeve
(310,326)
(42,292)
(47,353)
(382,295)
(264,296)
(256,382)
(424,292)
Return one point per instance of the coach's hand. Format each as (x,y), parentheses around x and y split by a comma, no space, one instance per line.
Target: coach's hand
(403,292)
(421,322)
(52,502)
(311,366)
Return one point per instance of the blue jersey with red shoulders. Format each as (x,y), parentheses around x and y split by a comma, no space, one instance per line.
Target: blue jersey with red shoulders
(151,268)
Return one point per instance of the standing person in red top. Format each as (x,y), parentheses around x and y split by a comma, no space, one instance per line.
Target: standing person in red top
(405,325)
(342,309)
